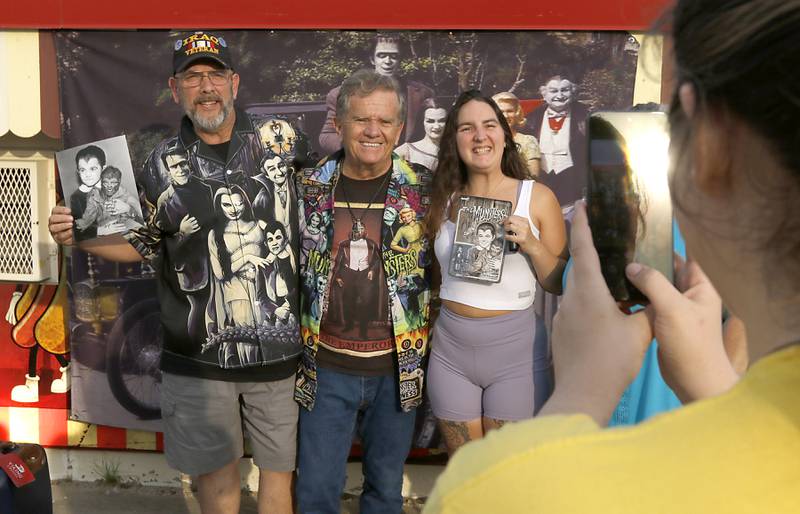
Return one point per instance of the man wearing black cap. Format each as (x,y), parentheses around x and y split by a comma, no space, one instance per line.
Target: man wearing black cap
(235,367)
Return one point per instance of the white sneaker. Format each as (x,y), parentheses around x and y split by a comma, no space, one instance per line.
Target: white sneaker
(61,385)
(27,392)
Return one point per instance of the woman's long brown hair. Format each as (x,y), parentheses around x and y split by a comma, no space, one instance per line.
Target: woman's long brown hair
(451,173)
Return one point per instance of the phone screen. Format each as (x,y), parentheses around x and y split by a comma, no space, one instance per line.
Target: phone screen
(628,202)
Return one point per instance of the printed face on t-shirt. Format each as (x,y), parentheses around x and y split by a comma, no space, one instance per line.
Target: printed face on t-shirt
(389,216)
(232,205)
(178,167)
(358,233)
(407,216)
(276,241)
(276,169)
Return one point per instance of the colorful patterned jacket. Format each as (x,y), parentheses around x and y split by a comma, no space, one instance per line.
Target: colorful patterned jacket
(407,274)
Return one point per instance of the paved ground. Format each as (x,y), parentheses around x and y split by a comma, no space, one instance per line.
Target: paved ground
(95,498)
(101,498)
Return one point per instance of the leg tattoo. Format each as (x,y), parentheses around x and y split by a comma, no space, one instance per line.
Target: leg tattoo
(456,434)
(493,424)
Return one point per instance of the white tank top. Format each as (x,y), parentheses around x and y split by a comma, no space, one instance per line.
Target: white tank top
(517,284)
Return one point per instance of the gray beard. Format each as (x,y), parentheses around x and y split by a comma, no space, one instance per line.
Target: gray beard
(209,124)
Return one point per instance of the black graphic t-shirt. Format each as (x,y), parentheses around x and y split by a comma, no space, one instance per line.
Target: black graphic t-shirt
(356,333)
(221,150)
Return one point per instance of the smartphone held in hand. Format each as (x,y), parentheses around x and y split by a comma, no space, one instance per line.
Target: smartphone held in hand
(628,202)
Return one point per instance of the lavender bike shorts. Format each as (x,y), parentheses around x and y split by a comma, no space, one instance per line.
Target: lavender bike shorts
(482,367)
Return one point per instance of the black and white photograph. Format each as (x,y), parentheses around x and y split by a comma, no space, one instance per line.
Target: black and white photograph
(99,187)
(479,239)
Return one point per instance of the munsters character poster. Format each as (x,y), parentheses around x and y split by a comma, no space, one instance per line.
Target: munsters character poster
(116,83)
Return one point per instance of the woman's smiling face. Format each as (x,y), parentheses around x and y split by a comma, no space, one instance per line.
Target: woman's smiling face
(480,137)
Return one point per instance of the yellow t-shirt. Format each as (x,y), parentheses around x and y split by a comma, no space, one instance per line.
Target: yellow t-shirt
(736,453)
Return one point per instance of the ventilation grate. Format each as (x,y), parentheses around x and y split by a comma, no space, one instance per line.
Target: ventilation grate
(27,193)
(16,237)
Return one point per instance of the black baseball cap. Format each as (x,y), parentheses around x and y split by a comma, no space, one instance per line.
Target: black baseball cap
(197,46)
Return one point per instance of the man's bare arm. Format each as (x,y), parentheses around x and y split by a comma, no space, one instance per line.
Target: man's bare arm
(112,248)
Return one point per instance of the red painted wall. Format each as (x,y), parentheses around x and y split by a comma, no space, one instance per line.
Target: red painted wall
(321,14)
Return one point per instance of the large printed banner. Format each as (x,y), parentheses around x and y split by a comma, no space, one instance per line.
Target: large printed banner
(115,83)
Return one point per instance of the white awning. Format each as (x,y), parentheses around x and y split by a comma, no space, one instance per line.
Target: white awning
(26,111)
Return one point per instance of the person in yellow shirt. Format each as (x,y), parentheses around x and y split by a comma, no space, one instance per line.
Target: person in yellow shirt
(735,446)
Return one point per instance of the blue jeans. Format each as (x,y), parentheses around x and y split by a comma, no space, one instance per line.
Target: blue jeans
(326,434)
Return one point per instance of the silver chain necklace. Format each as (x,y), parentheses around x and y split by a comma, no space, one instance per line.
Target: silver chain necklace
(358,226)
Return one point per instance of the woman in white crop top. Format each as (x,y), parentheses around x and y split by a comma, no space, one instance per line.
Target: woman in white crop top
(480,372)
